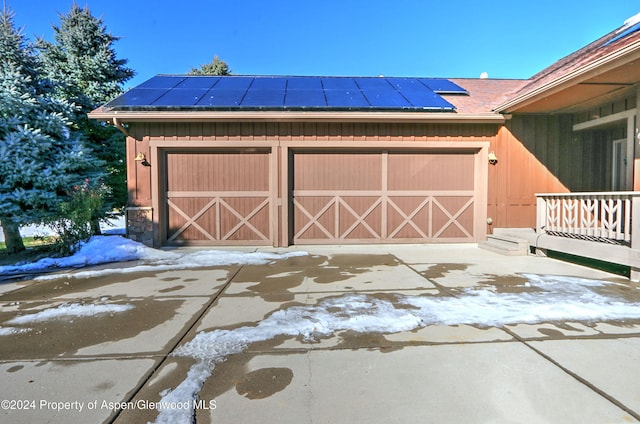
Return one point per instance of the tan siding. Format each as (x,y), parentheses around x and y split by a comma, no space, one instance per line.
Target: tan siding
(519,174)
(321,131)
(138,175)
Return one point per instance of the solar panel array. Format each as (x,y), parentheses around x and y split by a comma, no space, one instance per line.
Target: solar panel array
(288,93)
(631,30)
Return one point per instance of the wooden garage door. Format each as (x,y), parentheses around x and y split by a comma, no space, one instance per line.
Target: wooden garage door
(218,197)
(354,197)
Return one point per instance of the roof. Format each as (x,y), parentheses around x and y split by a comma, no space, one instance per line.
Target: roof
(309,98)
(484,93)
(603,67)
(297,98)
(183,92)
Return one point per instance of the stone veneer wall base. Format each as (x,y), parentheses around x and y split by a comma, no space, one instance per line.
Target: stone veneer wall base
(140,224)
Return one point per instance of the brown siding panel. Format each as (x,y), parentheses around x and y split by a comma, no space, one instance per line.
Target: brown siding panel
(138,175)
(526,158)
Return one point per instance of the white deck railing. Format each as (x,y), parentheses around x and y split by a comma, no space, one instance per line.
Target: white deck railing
(602,216)
(606,218)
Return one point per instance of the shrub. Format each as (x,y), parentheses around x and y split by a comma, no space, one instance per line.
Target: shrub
(76,215)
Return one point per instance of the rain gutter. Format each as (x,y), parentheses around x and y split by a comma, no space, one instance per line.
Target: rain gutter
(119,117)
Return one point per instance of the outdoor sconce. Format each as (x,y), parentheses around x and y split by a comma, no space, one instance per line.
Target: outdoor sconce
(140,157)
(493,159)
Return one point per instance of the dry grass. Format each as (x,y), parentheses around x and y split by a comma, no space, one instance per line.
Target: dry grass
(37,248)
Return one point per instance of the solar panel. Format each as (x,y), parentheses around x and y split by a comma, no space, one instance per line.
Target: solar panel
(198,82)
(263,98)
(224,98)
(381,94)
(290,93)
(338,83)
(343,93)
(234,83)
(442,86)
(304,83)
(181,97)
(426,99)
(305,98)
(269,83)
(138,97)
(419,95)
(346,99)
(623,34)
(163,81)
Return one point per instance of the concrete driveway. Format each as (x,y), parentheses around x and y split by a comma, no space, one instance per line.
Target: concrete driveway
(116,366)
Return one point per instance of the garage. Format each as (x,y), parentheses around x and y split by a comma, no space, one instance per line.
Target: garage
(401,196)
(295,160)
(343,195)
(217,197)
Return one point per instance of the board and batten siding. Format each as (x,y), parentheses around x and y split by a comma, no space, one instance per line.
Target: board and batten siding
(535,153)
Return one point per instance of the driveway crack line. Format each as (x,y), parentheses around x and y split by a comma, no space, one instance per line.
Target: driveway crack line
(195,322)
(309,390)
(577,377)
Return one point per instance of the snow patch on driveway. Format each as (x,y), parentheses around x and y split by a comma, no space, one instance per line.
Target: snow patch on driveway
(108,249)
(555,298)
(67,310)
(7,331)
(70,310)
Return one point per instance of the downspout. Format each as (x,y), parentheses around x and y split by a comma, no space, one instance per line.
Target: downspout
(635,134)
(120,126)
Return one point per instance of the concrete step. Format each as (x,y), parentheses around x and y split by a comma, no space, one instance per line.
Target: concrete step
(521,233)
(506,245)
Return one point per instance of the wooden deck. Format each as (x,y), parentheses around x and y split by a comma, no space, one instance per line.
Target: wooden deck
(597,225)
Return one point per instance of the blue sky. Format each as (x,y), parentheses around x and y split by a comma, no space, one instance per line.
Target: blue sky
(347,37)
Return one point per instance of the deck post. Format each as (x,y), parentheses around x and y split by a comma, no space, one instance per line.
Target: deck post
(635,240)
(541,222)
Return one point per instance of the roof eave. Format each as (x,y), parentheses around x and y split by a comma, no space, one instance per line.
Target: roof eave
(293,116)
(611,61)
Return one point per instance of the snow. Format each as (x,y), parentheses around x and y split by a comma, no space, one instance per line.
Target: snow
(115,226)
(7,331)
(70,310)
(185,392)
(67,310)
(107,249)
(630,22)
(552,298)
(546,298)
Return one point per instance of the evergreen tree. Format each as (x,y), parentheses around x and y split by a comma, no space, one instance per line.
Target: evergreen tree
(40,160)
(82,64)
(215,67)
